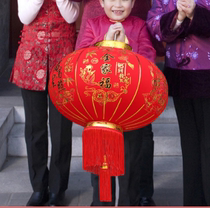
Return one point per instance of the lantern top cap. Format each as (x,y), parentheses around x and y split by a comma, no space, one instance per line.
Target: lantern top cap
(114,44)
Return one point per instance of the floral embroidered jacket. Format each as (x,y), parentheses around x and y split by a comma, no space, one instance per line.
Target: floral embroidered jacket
(135,29)
(43,43)
(187,48)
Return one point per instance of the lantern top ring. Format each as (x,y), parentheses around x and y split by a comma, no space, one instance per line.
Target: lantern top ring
(114,44)
(105,125)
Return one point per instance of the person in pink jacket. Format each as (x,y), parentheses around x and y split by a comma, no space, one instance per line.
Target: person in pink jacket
(92,8)
(117,20)
(48,34)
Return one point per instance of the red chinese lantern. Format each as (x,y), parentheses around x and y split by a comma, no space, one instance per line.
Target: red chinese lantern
(107,89)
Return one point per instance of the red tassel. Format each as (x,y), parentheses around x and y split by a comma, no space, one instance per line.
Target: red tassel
(105,185)
(103,145)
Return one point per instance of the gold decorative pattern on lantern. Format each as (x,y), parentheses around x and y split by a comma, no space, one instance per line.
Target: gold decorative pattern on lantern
(68,66)
(85,61)
(105,83)
(91,54)
(88,74)
(107,57)
(137,89)
(58,69)
(125,58)
(105,68)
(102,96)
(68,81)
(155,96)
(78,94)
(65,97)
(94,61)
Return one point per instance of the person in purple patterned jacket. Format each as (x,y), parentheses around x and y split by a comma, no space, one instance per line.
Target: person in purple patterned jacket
(184,26)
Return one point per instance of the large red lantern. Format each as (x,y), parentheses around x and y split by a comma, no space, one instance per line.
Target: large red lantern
(107,89)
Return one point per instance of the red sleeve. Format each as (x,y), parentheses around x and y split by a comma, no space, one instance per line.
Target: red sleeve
(144,45)
(89,37)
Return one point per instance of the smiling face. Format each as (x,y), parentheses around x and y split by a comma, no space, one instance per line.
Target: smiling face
(117,10)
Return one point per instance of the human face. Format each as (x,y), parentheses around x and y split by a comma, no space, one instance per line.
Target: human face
(117,10)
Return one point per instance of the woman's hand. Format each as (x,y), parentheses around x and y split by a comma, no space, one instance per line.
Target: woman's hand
(180,7)
(188,7)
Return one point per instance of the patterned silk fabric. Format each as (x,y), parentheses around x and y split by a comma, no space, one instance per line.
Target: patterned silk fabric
(43,44)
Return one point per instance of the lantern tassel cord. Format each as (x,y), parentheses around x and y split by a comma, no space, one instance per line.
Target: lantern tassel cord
(105,185)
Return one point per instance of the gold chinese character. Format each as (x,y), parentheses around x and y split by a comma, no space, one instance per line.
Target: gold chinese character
(105,69)
(106,57)
(105,83)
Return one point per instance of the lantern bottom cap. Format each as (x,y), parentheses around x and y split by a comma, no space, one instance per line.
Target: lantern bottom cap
(105,124)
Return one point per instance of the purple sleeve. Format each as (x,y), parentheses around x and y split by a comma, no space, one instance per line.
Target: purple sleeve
(159,23)
(153,19)
(200,25)
(167,23)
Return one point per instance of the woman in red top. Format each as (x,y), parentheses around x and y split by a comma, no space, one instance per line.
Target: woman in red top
(48,35)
